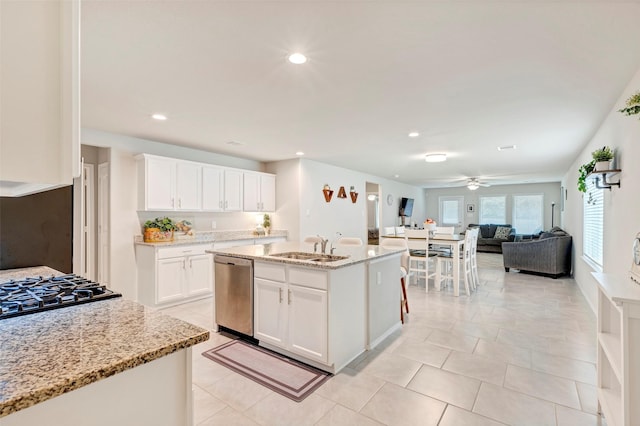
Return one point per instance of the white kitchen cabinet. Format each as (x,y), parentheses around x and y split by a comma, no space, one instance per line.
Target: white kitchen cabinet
(270,312)
(290,316)
(173,274)
(168,184)
(221,189)
(618,349)
(259,192)
(40,96)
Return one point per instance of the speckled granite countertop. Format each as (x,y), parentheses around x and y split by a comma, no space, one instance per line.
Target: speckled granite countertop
(265,252)
(208,237)
(43,355)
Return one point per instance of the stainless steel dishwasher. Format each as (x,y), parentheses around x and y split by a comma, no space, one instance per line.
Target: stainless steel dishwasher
(234,293)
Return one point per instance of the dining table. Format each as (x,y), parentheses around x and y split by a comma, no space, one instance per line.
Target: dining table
(453,241)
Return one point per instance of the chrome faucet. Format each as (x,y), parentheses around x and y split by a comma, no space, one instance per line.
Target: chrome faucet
(323,244)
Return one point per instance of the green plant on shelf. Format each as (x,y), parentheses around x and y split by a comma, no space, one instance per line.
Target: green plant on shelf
(584,171)
(603,154)
(633,105)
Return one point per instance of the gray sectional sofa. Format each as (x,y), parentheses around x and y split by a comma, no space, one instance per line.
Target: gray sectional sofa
(550,254)
(486,238)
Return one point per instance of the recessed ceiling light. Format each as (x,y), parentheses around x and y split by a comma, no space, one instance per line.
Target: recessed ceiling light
(414,134)
(506,147)
(297,58)
(435,158)
(159,117)
(235,143)
(396,176)
(299,153)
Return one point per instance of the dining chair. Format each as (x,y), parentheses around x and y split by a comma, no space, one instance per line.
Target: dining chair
(399,230)
(474,258)
(350,241)
(404,271)
(419,254)
(443,230)
(446,265)
(313,239)
(389,230)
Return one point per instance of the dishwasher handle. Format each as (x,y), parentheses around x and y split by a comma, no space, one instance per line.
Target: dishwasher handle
(229,260)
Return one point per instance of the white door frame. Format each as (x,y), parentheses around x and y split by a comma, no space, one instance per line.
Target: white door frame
(88,221)
(103,258)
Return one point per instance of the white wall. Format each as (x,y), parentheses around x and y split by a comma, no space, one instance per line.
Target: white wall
(301,204)
(551,192)
(621,205)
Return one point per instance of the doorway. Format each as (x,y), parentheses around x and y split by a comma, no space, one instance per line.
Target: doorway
(373,212)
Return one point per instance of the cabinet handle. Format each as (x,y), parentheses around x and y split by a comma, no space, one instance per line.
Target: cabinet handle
(184,263)
(220,203)
(289,296)
(226,204)
(280,292)
(172,202)
(179,203)
(191,263)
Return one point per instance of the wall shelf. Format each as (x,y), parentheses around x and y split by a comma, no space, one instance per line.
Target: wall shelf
(602,178)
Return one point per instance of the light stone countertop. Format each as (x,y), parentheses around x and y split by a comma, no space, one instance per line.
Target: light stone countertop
(265,252)
(46,354)
(208,237)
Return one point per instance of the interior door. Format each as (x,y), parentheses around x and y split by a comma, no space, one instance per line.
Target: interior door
(103,223)
(451,211)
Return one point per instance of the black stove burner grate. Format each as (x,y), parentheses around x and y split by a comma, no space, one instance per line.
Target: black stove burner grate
(37,294)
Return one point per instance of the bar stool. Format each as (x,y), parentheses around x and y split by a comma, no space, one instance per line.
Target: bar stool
(350,241)
(419,255)
(404,271)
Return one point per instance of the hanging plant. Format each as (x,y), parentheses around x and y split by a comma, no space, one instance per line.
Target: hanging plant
(584,171)
(633,105)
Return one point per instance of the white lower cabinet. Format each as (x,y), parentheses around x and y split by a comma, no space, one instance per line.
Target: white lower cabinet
(171,275)
(292,317)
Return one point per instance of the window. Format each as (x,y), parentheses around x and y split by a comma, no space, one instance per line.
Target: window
(593,212)
(450,211)
(493,209)
(528,213)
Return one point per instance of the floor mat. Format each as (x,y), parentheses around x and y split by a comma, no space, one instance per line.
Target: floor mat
(288,377)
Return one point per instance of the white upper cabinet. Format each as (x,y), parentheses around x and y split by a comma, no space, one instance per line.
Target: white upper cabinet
(168,184)
(40,96)
(259,192)
(180,185)
(232,190)
(221,189)
(188,186)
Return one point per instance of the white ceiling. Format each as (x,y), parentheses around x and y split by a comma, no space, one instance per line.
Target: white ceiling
(468,75)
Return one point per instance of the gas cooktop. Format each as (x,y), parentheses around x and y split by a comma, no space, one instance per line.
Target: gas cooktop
(30,295)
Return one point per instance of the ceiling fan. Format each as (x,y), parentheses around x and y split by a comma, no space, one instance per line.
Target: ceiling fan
(474,183)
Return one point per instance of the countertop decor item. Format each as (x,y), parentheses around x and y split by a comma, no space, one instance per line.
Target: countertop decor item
(266,223)
(633,105)
(159,230)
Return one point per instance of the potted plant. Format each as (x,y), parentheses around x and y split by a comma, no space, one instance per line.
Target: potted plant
(602,158)
(266,223)
(584,171)
(159,230)
(633,105)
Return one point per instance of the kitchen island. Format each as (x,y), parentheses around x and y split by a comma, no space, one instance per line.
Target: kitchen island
(102,363)
(323,310)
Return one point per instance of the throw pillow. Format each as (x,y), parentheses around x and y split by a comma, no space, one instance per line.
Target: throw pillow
(547,235)
(502,233)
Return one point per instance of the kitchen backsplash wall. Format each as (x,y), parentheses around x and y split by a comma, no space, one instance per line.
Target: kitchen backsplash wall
(204,221)
(37,230)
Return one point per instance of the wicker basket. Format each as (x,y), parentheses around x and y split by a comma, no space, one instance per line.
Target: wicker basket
(155,235)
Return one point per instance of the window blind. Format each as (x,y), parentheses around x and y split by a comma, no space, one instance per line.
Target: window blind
(493,209)
(527,213)
(593,226)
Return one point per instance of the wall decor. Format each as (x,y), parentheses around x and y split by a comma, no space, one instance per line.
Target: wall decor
(471,208)
(562,198)
(633,105)
(354,194)
(342,193)
(328,193)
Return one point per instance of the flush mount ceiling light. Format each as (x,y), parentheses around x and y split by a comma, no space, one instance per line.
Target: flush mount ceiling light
(414,134)
(506,147)
(297,58)
(435,158)
(159,117)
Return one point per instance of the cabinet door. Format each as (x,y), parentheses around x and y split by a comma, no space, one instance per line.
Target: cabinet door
(232,190)
(160,176)
(171,275)
(188,186)
(199,274)
(268,193)
(270,311)
(212,189)
(308,322)
(251,188)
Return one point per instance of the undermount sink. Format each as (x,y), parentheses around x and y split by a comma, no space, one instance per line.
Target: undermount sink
(313,257)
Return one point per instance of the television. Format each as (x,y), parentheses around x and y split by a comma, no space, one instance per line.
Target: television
(406,206)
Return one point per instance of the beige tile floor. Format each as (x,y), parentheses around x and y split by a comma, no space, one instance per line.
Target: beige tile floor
(519,351)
